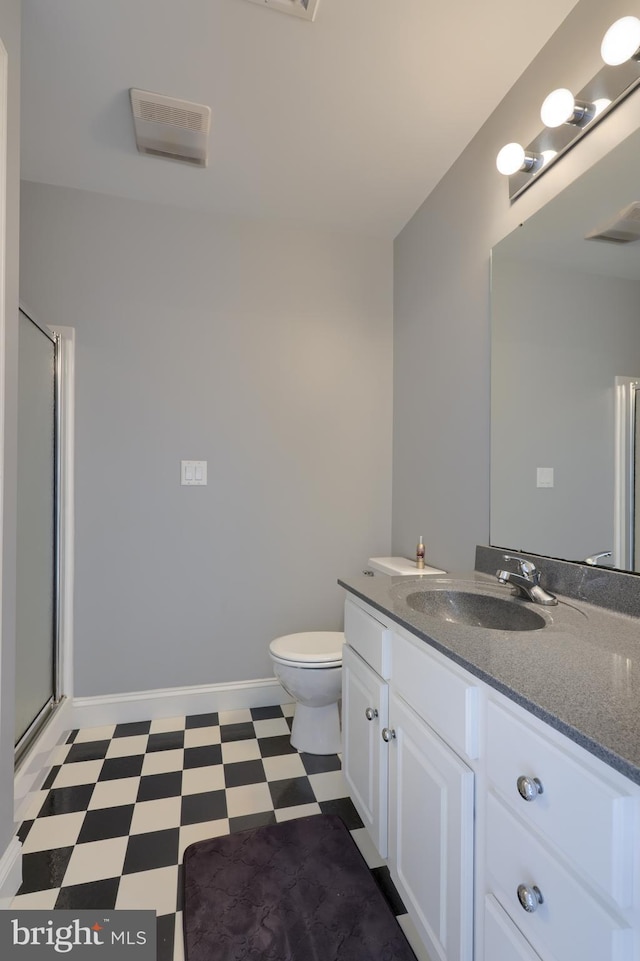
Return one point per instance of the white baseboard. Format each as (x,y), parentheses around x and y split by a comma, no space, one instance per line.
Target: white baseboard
(173,702)
(10,872)
(82,712)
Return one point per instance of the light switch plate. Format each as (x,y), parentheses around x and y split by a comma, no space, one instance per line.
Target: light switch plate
(193,473)
(544,477)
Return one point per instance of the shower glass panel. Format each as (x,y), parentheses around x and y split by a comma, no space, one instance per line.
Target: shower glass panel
(636,484)
(36,593)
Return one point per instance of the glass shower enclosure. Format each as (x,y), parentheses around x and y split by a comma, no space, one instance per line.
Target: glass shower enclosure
(38,521)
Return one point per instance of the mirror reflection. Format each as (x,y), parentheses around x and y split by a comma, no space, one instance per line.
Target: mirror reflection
(565,360)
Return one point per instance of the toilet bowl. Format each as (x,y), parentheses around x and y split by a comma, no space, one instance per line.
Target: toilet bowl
(309,667)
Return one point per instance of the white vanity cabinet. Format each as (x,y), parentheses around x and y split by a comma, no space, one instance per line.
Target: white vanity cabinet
(431,834)
(432,738)
(560,841)
(365,713)
(407,783)
(507,841)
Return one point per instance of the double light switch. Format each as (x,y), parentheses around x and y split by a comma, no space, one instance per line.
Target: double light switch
(193,472)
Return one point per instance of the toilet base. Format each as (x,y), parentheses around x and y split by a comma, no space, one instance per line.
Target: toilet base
(316,730)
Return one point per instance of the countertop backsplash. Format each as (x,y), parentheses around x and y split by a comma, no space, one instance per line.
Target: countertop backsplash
(614,590)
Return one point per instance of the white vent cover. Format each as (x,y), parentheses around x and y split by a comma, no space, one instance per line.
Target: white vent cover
(297,8)
(170,128)
(624,228)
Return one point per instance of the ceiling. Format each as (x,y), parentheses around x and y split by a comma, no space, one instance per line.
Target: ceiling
(347,122)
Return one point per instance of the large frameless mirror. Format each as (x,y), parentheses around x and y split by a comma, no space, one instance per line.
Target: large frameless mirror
(565,331)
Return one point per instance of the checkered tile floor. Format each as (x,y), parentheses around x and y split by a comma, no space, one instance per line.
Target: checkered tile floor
(122,802)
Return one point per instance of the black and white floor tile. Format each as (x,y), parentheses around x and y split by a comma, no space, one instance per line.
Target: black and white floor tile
(121,803)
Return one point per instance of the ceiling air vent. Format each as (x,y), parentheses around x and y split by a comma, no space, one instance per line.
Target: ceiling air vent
(297,8)
(624,228)
(170,128)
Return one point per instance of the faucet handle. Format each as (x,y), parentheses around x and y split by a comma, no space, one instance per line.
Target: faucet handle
(527,568)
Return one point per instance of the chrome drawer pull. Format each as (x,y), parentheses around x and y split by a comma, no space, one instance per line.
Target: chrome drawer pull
(370,713)
(530,897)
(529,787)
(388,734)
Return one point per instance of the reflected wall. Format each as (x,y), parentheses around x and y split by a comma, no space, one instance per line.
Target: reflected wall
(565,325)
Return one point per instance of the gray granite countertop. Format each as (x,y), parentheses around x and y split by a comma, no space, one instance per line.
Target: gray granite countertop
(580,674)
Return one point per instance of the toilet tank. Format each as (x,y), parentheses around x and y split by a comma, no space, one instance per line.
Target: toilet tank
(397,566)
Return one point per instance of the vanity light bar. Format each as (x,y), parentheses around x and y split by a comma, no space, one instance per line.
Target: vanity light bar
(567,117)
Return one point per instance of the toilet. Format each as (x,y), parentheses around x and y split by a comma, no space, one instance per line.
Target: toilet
(309,667)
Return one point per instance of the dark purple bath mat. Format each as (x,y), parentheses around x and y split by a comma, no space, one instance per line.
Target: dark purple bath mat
(296,891)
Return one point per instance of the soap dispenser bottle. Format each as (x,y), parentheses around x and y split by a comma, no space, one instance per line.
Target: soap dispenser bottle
(420,554)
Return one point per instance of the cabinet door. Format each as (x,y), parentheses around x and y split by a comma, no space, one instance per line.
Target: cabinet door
(364,754)
(431,834)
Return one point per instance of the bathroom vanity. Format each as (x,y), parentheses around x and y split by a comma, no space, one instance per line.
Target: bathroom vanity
(498,770)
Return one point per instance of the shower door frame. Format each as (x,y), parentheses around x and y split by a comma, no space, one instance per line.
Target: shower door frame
(626,389)
(62,435)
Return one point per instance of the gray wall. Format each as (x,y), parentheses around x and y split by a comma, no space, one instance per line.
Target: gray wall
(264,350)
(10,36)
(162,298)
(560,338)
(442,301)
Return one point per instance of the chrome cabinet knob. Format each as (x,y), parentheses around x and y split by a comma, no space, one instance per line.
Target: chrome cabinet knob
(529,787)
(530,898)
(388,734)
(370,713)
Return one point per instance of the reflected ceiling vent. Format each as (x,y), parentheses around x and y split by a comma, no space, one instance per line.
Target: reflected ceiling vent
(297,8)
(624,228)
(170,128)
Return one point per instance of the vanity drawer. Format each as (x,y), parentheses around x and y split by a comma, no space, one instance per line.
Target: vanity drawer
(367,636)
(575,803)
(502,940)
(441,695)
(568,922)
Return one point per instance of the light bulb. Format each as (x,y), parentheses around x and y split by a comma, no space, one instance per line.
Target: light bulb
(621,41)
(558,108)
(510,159)
(562,107)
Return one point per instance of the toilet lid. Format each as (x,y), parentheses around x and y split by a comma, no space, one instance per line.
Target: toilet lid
(317,647)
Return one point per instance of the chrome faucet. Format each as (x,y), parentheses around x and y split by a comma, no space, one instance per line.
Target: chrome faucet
(600,556)
(526,581)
